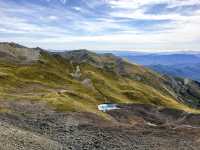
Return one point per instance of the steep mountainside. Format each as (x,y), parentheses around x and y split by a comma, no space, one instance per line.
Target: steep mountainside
(80,80)
(49,101)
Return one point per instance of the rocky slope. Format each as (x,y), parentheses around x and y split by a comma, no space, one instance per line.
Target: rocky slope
(132,127)
(49,101)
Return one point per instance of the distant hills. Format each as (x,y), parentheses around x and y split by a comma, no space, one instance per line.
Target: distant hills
(191,71)
(180,64)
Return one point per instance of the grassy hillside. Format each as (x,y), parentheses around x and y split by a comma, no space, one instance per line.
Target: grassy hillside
(72,84)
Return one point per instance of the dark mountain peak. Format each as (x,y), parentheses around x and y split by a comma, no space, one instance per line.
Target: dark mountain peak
(109,55)
(83,55)
(78,56)
(80,51)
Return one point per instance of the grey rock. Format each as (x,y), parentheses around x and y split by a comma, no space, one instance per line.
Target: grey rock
(88,83)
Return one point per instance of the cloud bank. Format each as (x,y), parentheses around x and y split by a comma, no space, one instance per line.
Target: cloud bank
(142,25)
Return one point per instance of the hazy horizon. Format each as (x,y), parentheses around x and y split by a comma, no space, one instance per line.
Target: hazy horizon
(108,25)
(107,51)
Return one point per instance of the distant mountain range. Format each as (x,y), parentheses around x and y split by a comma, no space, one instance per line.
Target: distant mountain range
(180,64)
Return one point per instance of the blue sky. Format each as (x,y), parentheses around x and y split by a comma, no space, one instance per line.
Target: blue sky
(138,25)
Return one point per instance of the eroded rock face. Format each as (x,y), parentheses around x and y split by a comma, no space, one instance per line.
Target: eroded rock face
(184,89)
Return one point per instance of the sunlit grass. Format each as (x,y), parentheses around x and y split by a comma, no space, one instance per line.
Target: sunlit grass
(44,81)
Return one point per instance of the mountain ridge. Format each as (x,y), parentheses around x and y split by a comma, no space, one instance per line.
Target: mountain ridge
(112,79)
(52,103)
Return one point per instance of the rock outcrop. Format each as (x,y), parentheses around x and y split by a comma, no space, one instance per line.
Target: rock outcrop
(77,73)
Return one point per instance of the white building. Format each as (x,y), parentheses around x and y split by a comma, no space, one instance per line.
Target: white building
(107,107)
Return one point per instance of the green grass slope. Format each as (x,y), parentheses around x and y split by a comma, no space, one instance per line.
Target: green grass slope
(102,78)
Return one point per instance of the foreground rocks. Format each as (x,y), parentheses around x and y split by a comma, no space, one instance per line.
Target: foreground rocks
(133,127)
(14,138)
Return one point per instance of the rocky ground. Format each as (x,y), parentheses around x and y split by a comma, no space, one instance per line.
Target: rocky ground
(133,127)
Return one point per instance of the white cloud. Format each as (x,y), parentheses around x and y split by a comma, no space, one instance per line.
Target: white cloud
(53,17)
(183,29)
(77,8)
(54,27)
(134,9)
(129,4)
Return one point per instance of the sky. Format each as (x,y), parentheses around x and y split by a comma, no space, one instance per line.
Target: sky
(133,25)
